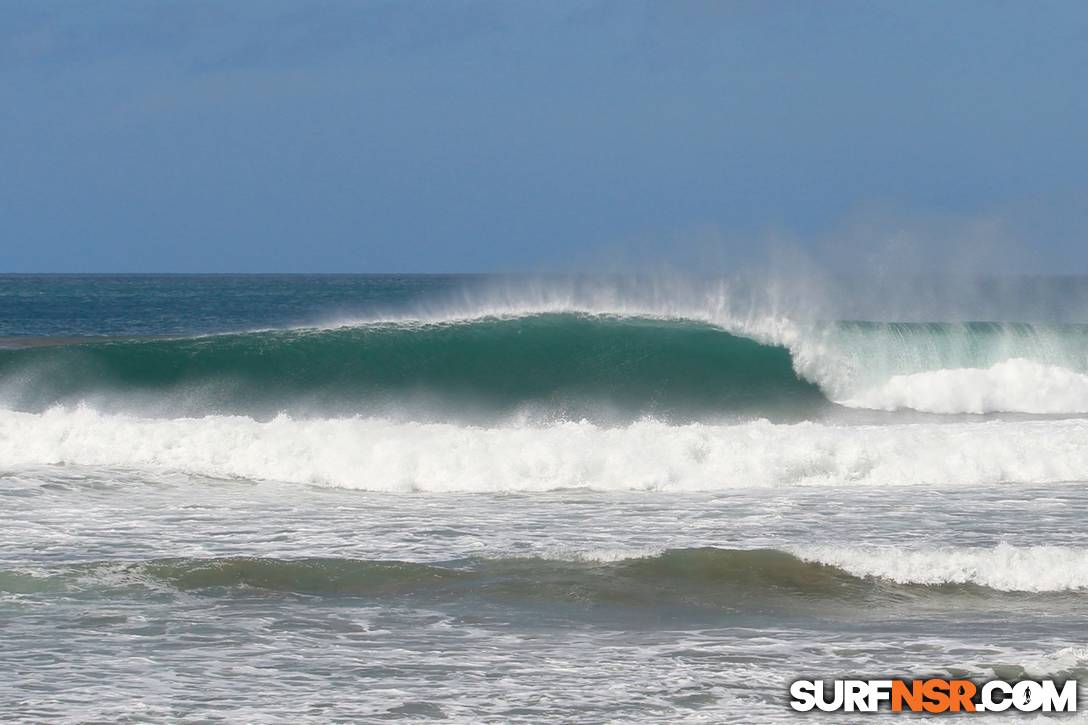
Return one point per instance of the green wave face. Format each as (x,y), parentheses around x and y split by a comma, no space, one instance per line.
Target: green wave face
(713,579)
(561,365)
(701,578)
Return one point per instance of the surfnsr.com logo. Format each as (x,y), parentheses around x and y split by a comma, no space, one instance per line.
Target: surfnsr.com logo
(933,695)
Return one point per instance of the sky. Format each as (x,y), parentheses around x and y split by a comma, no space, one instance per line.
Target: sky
(472,135)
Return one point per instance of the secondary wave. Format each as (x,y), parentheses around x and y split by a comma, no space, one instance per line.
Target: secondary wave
(708,577)
(381,455)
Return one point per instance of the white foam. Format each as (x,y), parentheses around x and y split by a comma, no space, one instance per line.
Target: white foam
(380,455)
(1004,567)
(597,556)
(1013,385)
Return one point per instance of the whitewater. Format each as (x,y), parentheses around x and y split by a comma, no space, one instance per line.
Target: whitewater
(654,499)
(379,455)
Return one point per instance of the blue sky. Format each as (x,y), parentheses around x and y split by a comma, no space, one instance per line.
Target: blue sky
(466,135)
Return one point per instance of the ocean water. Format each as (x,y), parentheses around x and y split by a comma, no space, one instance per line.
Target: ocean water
(290,499)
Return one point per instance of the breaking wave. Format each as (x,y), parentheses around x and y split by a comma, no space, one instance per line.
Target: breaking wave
(565,365)
(568,366)
(1004,567)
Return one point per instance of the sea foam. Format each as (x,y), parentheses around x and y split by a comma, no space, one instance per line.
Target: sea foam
(380,455)
(1013,385)
(1004,567)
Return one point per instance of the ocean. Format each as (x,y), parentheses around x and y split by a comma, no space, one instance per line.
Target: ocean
(593,499)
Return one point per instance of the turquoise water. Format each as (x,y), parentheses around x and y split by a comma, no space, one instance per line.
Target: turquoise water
(565,365)
(313,499)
